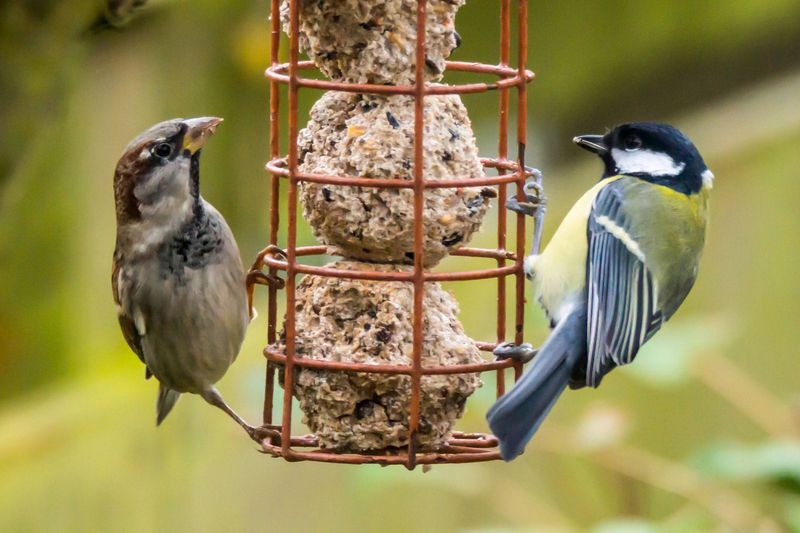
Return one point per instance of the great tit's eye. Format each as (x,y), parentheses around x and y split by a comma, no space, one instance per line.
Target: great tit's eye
(163,150)
(632,143)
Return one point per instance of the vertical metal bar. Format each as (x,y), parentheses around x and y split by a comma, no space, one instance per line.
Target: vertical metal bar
(522,133)
(419,201)
(502,154)
(291,237)
(274,201)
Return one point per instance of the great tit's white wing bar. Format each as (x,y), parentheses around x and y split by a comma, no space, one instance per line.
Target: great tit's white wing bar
(622,293)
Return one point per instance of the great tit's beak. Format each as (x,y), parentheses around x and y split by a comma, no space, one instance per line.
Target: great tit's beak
(592,143)
(198,131)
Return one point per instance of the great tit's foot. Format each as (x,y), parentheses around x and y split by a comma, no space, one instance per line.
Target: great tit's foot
(518,352)
(534,172)
(534,199)
(533,183)
(526,208)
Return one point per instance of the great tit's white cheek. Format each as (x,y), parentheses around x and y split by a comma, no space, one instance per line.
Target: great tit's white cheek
(646,162)
(708,179)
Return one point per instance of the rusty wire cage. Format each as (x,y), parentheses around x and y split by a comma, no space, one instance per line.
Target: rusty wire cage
(461,447)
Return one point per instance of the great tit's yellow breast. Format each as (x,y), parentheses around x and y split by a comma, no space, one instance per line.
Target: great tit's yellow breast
(559,272)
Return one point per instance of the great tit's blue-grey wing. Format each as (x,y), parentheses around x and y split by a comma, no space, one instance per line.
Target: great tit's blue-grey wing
(622,294)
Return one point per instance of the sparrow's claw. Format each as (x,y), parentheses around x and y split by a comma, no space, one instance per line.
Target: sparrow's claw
(255,276)
(262,433)
(519,352)
(273,249)
(260,278)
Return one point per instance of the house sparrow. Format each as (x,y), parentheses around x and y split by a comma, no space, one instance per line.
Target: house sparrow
(177,277)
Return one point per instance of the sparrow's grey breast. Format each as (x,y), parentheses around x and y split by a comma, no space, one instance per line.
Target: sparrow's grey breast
(190,299)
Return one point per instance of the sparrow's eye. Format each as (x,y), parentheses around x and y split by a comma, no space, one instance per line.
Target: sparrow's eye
(163,150)
(633,143)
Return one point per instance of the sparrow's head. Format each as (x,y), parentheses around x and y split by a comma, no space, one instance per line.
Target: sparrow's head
(659,153)
(157,178)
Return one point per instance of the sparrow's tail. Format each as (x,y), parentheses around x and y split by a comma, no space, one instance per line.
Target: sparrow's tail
(516,416)
(166,399)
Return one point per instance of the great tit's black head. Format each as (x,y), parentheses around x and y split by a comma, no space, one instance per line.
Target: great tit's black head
(159,170)
(659,153)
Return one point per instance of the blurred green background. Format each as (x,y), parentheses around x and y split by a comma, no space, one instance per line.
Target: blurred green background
(701,434)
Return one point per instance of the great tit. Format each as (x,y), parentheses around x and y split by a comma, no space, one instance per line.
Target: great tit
(619,265)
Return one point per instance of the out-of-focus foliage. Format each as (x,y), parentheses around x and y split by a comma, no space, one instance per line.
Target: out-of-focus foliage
(674,351)
(772,462)
(700,434)
(37,54)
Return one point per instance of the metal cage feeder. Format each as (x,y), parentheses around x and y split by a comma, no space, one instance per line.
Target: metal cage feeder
(461,447)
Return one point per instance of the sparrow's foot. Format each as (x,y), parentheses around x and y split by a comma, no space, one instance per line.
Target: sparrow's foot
(519,352)
(256,277)
(262,433)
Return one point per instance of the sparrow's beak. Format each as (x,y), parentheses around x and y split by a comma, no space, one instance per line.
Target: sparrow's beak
(592,143)
(198,131)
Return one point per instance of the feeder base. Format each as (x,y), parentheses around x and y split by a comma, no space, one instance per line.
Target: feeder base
(460,448)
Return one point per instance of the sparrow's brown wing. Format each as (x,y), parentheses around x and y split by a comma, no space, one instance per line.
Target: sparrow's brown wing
(126,323)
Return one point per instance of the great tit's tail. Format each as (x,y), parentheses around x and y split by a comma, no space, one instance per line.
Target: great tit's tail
(516,416)
(166,400)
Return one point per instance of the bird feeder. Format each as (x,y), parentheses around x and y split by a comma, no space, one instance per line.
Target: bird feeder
(388,177)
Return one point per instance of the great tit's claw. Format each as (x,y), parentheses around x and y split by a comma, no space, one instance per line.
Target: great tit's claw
(512,204)
(535,172)
(534,191)
(534,199)
(519,352)
(525,208)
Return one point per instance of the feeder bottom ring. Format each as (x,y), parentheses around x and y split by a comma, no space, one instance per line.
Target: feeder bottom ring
(459,448)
